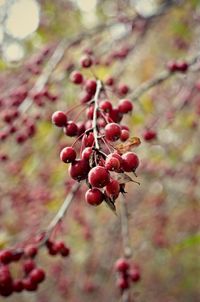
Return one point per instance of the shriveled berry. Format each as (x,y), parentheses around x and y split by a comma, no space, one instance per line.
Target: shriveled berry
(59,118)
(112,132)
(68,155)
(98,177)
(94,197)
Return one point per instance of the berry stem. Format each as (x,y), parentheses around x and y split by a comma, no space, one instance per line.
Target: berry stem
(96,107)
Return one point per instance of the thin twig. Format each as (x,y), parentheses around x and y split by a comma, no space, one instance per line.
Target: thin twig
(96,106)
(61,213)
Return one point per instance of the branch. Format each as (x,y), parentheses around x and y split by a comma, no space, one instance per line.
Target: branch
(164,75)
(126,241)
(94,122)
(61,213)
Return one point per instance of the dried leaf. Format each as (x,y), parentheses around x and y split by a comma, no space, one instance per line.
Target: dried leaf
(110,204)
(128,145)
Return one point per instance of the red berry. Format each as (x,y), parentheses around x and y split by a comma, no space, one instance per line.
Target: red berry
(182,66)
(109,81)
(122,283)
(71,129)
(31,250)
(88,140)
(76,77)
(106,106)
(29,285)
(134,275)
(125,106)
(124,135)
(62,249)
(98,177)
(123,89)
(87,152)
(86,61)
(6,256)
(113,188)
(28,266)
(85,97)
(112,163)
(37,275)
(59,118)
(149,135)
(68,155)
(18,286)
(79,169)
(112,132)
(115,115)
(94,197)
(130,161)
(90,86)
(122,265)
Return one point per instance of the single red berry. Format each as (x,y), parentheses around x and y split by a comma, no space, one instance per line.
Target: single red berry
(105,106)
(6,256)
(90,86)
(37,275)
(134,275)
(109,81)
(76,77)
(172,66)
(124,135)
(112,132)
(28,266)
(94,197)
(18,286)
(87,152)
(123,89)
(81,128)
(125,106)
(112,163)
(30,250)
(98,177)
(86,61)
(130,161)
(113,188)
(29,285)
(115,115)
(85,97)
(71,129)
(68,155)
(79,169)
(88,140)
(149,135)
(122,283)
(59,119)
(122,265)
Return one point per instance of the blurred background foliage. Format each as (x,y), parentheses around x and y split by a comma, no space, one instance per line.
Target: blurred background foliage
(164,209)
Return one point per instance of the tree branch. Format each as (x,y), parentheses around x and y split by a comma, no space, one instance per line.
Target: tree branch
(96,106)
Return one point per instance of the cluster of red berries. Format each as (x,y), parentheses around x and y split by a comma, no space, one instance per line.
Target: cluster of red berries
(31,275)
(100,162)
(127,273)
(177,66)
